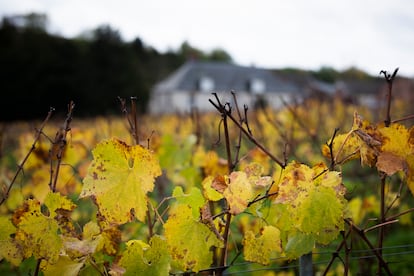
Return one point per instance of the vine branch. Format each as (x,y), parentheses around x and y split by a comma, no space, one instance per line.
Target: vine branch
(33,147)
(374,250)
(389,79)
(246,132)
(59,145)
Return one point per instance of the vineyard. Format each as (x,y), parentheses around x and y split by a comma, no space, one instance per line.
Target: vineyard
(233,192)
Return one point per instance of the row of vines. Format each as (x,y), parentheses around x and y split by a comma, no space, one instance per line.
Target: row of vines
(199,194)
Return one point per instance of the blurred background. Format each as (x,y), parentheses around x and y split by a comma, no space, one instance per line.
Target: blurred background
(52,52)
(315,61)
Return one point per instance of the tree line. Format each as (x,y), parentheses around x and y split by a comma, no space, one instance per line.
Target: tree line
(40,70)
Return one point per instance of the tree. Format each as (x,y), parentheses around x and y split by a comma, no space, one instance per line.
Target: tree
(219,54)
(327,74)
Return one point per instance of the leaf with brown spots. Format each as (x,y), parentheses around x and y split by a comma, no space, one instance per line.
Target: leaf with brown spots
(189,240)
(119,177)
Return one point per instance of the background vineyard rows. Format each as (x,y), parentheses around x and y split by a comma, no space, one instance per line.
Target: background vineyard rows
(190,148)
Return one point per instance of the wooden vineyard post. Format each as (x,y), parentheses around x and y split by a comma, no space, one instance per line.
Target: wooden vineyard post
(305,265)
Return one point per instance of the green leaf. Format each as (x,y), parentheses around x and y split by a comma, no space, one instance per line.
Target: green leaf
(175,156)
(321,214)
(189,240)
(143,259)
(194,199)
(299,244)
(310,204)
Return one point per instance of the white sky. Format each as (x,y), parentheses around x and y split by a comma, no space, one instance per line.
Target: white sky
(372,35)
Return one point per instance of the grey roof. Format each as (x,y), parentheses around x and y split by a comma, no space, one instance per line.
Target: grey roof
(226,77)
(323,87)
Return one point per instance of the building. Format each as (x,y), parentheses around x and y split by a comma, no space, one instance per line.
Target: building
(192,85)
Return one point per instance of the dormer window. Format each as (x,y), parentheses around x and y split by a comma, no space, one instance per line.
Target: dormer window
(257,86)
(206,84)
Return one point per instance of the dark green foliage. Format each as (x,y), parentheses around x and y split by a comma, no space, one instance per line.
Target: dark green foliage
(40,70)
(326,74)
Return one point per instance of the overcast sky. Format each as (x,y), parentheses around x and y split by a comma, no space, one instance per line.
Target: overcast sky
(372,35)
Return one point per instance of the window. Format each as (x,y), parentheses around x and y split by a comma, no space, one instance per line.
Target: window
(206,84)
(257,86)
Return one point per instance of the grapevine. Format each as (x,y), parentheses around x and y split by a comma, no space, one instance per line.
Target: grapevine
(181,204)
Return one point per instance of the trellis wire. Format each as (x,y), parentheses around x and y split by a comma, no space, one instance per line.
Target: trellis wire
(297,265)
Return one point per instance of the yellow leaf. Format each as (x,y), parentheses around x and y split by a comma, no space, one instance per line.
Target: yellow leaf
(90,230)
(76,248)
(261,248)
(345,147)
(93,240)
(109,240)
(410,173)
(55,201)
(38,234)
(238,192)
(64,266)
(60,209)
(120,177)
(295,179)
(9,249)
(363,141)
(397,152)
(15,199)
(208,192)
(189,241)
(396,140)
(355,210)
(210,162)
(254,172)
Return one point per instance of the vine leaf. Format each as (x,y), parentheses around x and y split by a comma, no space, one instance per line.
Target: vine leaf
(239,187)
(397,152)
(389,148)
(363,141)
(309,206)
(189,240)
(359,208)
(9,249)
(390,163)
(208,191)
(209,162)
(64,266)
(238,192)
(36,233)
(140,258)
(175,158)
(299,244)
(321,214)
(93,240)
(254,173)
(194,199)
(261,248)
(60,209)
(119,177)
